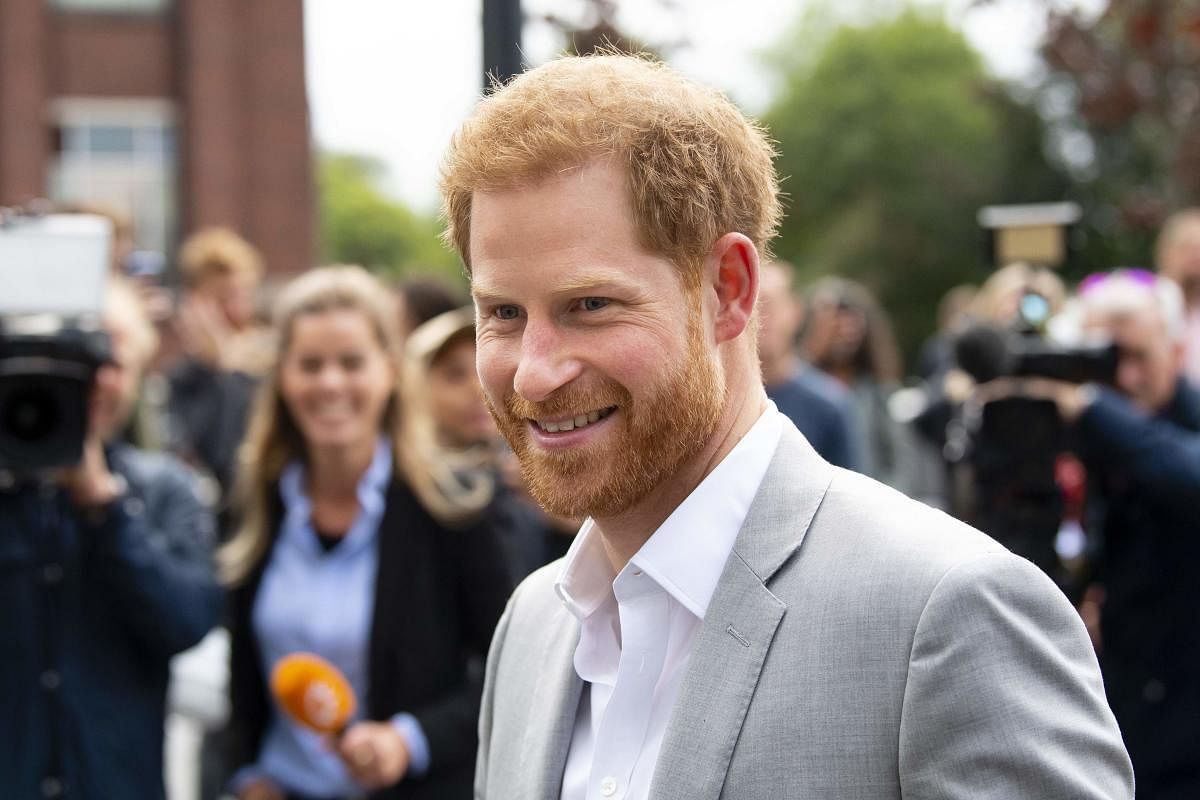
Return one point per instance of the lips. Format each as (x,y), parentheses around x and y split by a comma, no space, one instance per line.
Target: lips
(570,423)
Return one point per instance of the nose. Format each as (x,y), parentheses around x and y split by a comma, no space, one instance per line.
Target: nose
(546,363)
(329,379)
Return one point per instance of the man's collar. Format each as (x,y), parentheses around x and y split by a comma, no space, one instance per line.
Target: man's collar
(687,553)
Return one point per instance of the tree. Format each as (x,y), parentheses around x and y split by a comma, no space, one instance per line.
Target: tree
(890,140)
(361,226)
(1121,91)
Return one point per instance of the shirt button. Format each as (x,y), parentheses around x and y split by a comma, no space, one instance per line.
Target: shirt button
(52,787)
(134,507)
(608,787)
(52,573)
(50,680)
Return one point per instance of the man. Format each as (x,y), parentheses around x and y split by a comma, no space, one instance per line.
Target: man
(815,403)
(1177,254)
(1141,444)
(105,574)
(737,618)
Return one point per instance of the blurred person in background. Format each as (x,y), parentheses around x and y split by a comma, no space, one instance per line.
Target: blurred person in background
(1140,442)
(420,298)
(820,407)
(850,337)
(954,314)
(353,545)
(1177,255)
(999,300)
(105,575)
(225,351)
(442,387)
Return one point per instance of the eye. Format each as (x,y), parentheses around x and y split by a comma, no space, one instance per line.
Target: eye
(310,364)
(352,361)
(506,312)
(593,303)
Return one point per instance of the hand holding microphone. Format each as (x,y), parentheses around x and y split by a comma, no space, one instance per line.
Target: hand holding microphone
(315,694)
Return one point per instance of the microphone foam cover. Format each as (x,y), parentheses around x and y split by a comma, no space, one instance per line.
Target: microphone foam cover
(313,692)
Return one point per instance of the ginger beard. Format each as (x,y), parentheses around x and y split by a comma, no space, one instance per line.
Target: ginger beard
(656,435)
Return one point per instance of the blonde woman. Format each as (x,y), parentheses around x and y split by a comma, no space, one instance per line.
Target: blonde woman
(354,545)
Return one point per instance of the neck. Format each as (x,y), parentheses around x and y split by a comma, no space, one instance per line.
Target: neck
(781,369)
(334,472)
(844,374)
(625,533)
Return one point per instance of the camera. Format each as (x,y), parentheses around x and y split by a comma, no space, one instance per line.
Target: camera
(53,269)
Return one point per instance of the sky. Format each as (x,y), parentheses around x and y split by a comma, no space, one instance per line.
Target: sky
(392,79)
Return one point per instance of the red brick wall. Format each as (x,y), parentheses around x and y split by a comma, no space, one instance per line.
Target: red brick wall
(110,56)
(236,72)
(24,136)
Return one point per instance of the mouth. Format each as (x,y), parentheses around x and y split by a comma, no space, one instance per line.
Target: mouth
(572,423)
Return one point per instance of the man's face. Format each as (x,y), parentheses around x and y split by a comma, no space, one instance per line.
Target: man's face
(779,314)
(1181,263)
(1150,361)
(115,389)
(599,367)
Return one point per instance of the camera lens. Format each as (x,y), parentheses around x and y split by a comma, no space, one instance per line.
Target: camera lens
(30,414)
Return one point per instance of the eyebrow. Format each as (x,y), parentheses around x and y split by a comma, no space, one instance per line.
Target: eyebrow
(590,281)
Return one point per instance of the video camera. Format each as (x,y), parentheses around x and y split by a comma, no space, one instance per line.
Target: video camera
(53,269)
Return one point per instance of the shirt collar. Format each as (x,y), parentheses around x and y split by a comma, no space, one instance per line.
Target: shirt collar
(687,553)
(371,491)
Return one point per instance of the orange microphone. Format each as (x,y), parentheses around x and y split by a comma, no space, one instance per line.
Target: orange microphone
(313,692)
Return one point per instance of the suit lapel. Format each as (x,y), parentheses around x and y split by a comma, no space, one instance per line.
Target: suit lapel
(739,626)
(558,689)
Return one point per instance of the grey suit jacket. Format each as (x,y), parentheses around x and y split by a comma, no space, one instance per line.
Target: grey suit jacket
(859,645)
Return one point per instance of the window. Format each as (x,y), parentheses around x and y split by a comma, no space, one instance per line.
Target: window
(112,6)
(121,154)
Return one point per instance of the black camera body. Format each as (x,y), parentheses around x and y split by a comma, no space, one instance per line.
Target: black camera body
(1013,444)
(51,337)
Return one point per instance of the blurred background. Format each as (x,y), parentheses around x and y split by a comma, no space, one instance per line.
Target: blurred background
(314,129)
(952,173)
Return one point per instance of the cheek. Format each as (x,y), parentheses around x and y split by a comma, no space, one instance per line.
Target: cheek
(496,366)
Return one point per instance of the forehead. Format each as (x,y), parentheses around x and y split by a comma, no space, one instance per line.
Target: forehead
(1142,326)
(575,219)
(332,326)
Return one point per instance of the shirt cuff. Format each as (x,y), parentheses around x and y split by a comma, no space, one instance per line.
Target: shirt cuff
(414,737)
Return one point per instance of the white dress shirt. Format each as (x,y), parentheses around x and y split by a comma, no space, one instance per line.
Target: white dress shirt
(637,627)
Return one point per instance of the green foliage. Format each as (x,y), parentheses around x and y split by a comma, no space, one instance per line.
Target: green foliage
(890,139)
(359,225)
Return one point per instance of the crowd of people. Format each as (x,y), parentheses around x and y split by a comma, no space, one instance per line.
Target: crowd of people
(315,468)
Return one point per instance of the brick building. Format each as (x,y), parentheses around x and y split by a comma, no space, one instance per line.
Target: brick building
(182,113)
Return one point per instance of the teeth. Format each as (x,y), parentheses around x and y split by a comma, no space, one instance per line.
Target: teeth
(570,424)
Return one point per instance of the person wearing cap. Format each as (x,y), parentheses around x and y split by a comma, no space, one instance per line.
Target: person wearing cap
(442,390)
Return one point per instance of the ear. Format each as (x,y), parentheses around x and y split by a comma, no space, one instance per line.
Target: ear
(734,259)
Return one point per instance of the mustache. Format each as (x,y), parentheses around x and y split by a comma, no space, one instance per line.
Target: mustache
(567,400)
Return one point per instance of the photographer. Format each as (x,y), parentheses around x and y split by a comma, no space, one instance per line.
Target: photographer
(105,574)
(1140,442)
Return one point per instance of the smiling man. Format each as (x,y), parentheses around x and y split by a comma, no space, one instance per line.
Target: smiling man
(737,618)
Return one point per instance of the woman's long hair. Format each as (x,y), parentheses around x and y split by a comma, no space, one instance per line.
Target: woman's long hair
(877,355)
(273,440)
